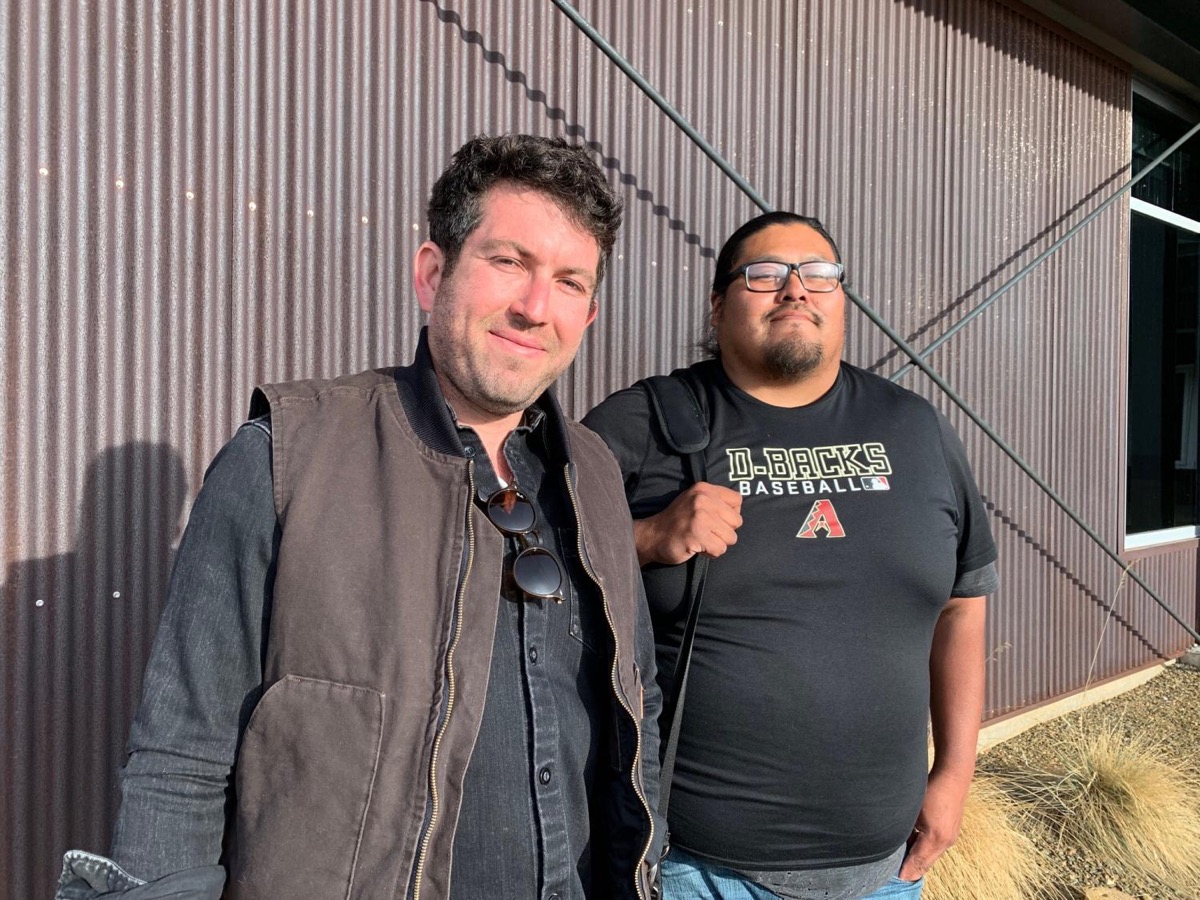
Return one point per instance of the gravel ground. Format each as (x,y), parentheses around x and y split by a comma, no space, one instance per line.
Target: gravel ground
(1167,706)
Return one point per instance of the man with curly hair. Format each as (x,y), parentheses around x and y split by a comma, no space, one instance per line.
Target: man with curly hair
(405,651)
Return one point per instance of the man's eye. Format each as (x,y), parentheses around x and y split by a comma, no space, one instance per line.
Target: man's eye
(504,261)
(573,286)
(819,270)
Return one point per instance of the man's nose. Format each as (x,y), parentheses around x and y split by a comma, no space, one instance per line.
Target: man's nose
(793,288)
(534,303)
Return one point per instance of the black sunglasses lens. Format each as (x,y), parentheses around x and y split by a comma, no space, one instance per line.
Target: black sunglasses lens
(511,512)
(537,572)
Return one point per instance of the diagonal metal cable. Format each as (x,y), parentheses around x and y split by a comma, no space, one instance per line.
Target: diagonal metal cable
(1045,254)
(671,113)
(674,115)
(1020,463)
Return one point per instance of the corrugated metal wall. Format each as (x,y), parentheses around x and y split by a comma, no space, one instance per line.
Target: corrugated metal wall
(199,196)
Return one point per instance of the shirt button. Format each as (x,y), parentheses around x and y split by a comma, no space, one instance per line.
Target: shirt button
(533,655)
(468,450)
(544,775)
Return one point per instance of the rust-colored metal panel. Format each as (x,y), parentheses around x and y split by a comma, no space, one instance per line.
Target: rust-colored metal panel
(199,196)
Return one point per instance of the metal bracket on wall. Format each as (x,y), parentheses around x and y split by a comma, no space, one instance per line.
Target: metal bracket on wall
(916,358)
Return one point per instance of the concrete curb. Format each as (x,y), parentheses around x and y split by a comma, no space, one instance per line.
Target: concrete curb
(994,733)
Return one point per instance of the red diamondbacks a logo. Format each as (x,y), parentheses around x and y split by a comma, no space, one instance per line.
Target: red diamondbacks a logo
(822,517)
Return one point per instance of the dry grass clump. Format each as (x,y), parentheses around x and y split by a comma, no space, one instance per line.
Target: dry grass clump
(1124,798)
(993,858)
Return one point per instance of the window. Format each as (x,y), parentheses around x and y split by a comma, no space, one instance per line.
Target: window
(1164,352)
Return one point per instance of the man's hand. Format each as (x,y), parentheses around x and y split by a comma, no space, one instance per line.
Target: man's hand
(937,825)
(956,683)
(703,519)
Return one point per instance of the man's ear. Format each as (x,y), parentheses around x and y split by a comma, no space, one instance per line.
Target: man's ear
(429,264)
(717,303)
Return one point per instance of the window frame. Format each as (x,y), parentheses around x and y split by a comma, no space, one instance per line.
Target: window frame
(1145,540)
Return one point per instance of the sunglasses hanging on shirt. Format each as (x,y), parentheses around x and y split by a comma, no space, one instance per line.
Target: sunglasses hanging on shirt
(536,570)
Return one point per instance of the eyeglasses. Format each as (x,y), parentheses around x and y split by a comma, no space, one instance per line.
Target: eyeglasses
(536,570)
(769,276)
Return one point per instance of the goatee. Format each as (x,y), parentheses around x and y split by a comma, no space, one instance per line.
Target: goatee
(790,360)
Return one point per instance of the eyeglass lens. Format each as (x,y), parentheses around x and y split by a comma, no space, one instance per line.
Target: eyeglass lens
(771,276)
(510,511)
(536,571)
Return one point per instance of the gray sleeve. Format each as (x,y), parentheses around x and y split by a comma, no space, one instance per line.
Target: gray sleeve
(651,710)
(86,876)
(977,582)
(204,676)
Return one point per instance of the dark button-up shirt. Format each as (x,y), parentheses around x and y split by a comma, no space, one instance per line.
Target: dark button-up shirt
(524,822)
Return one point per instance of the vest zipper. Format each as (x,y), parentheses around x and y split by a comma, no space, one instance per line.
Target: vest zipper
(637,725)
(450,689)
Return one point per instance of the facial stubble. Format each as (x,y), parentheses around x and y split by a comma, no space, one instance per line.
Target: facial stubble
(468,369)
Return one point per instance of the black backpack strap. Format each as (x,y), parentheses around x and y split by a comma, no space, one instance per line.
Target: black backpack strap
(678,402)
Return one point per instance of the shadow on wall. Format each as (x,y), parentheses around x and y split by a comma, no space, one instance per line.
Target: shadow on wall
(992,280)
(74,637)
(1108,607)
(1019,34)
(573,129)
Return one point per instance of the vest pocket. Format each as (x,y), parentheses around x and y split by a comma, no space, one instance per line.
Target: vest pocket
(305,775)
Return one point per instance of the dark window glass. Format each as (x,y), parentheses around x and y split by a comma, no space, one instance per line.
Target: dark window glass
(1175,183)
(1164,363)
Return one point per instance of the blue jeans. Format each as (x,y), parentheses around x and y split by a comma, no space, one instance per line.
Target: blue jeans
(685,877)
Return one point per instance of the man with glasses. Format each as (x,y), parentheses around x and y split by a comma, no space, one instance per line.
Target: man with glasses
(405,651)
(843,605)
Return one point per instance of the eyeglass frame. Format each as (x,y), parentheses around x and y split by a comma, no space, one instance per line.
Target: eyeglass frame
(796,267)
(529,547)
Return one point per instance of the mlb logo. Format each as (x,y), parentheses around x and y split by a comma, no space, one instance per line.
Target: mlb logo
(876,483)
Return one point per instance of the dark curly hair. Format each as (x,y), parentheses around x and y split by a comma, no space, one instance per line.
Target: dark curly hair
(551,166)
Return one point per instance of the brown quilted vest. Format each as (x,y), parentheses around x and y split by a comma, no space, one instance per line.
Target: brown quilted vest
(380,638)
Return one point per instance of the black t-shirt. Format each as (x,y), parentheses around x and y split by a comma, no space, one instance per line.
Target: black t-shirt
(803,742)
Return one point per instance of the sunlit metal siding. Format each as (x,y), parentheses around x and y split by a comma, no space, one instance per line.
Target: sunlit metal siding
(232,192)
(1052,354)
